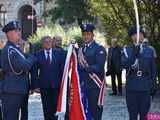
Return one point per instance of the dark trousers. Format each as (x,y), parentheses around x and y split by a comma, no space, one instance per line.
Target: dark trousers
(1,109)
(11,104)
(24,108)
(138,103)
(49,98)
(96,111)
(113,79)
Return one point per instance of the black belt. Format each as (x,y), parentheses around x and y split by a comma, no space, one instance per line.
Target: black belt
(139,73)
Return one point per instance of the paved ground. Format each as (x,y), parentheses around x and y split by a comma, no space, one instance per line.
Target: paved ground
(114,109)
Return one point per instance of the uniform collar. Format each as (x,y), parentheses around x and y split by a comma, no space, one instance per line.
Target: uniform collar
(90,44)
(11,43)
(50,50)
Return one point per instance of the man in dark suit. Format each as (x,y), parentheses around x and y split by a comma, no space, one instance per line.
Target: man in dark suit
(114,66)
(47,75)
(1,79)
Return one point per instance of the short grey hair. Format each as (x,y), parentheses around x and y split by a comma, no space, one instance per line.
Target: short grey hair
(44,38)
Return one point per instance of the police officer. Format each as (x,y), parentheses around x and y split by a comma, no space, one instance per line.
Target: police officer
(139,62)
(25,47)
(1,80)
(15,66)
(95,56)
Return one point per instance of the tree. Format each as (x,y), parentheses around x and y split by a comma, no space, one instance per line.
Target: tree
(71,11)
(117,16)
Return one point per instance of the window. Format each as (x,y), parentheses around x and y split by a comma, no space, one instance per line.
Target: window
(2,15)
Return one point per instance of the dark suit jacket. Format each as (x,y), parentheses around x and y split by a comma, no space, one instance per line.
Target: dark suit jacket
(48,76)
(116,61)
(1,74)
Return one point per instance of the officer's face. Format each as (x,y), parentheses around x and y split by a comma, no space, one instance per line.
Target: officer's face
(14,35)
(141,37)
(87,36)
(47,43)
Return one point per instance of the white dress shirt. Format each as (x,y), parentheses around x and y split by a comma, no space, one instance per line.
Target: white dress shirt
(50,54)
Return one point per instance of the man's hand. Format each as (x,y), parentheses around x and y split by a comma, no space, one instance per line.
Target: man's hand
(31,92)
(37,90)
(137,50)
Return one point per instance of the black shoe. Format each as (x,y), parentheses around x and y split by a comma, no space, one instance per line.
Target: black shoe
(113,94)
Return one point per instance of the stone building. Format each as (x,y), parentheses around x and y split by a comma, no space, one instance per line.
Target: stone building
(25,11)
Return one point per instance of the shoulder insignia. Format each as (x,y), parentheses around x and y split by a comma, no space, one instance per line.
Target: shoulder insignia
(12,51)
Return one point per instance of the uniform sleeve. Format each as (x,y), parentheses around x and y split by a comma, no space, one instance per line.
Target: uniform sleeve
(18,63)
(0,59)
(127,59)
(100,57)
(153,70)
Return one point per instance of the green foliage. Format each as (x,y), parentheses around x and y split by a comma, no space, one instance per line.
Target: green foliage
(117,16)
(45,31)
(71,11)
(73,33)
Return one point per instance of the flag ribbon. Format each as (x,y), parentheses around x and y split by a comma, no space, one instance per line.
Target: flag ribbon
(100,83)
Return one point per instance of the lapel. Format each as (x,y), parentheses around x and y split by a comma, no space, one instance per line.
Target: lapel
(52,56)
(109,57)
(111,52)
(43,57)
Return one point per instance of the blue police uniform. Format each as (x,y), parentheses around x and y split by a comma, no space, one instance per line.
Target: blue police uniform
(140,78)
(1,79)
(47,77)
(95,56)
(16,83)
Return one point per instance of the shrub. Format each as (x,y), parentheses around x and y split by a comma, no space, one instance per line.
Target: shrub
(67,35)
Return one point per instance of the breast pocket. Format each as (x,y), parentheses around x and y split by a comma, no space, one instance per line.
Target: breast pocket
(90,56)
(146,63)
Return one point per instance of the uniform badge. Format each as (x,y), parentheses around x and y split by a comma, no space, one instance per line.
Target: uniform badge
(12,52)
(84,26)
(101,52)
(15,24)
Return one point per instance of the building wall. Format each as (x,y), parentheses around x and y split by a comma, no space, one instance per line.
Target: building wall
(13,7)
